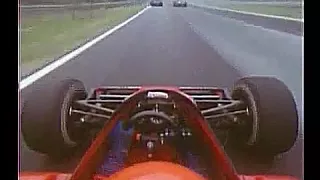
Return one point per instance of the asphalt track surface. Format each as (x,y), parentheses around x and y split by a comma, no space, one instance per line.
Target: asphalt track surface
(184,46)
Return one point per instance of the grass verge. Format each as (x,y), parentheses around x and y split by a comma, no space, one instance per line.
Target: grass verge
(49,35)
(278,10)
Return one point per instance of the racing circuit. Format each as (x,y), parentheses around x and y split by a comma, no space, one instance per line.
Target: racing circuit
(187,47)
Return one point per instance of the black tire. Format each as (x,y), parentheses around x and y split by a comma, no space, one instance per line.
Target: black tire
(45,116)
(272,113)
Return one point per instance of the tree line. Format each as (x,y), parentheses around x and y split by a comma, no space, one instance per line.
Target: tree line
(31,2)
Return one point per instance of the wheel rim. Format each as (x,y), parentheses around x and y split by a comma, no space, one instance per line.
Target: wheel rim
(72,129)
(75,126)
(251,117)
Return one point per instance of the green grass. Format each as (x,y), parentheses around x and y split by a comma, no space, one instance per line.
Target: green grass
(293,12)
(46,36)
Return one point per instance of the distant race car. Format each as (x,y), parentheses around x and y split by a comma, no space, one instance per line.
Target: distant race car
(179,3)
(159,132)
(156,3)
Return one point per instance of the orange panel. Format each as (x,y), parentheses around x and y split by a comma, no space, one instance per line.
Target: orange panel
(155,170)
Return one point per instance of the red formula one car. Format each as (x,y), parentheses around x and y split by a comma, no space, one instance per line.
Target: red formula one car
(159,133)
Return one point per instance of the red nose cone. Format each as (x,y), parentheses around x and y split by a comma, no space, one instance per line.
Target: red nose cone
(156,171)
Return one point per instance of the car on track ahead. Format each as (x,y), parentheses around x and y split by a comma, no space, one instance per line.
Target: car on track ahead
(180,3)
(156,3)
(154,132)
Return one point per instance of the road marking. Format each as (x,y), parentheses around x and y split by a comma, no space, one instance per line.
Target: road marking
(246,24)
(251,13)
(59,62)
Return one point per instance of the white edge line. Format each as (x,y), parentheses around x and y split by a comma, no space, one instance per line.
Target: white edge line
(42,72)
(252,13)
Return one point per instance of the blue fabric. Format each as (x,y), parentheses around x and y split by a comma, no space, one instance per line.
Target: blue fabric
(119,141)
(192,162)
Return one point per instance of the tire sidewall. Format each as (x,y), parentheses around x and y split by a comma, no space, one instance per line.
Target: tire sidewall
(72,94)
(267,116)
(252,111)
(45,114)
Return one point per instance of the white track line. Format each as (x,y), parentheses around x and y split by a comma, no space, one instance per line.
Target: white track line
(39,74)
(251,13)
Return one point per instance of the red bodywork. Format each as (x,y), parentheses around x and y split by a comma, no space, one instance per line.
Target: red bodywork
(221,167)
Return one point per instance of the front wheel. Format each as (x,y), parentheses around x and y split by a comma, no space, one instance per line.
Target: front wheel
(271,125)
(48,125)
